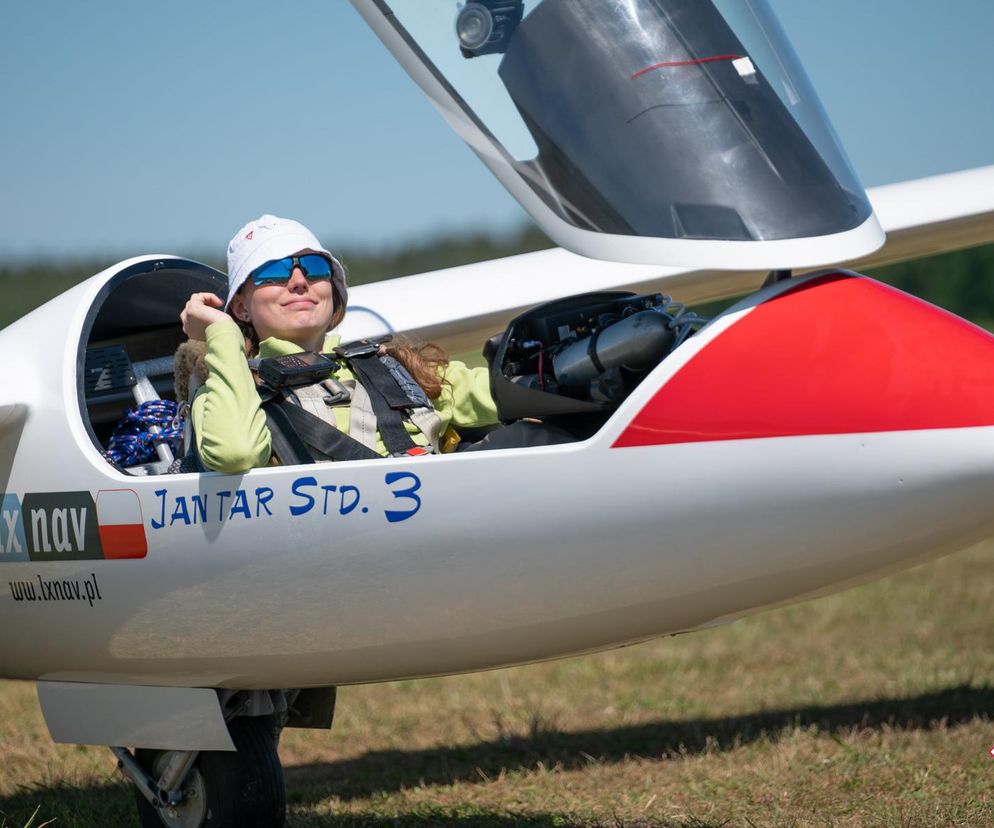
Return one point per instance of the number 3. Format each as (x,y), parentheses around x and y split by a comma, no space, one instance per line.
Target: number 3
(409,492)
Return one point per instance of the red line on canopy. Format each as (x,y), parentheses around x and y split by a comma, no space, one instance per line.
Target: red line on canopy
(668,64)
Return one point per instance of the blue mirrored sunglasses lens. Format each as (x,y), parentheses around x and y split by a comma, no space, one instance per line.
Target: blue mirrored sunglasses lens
(315,266)
(276,271)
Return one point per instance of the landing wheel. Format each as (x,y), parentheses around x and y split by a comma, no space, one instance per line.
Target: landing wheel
(224,789)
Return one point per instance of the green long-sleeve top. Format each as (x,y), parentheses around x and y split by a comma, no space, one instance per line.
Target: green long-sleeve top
(230,426)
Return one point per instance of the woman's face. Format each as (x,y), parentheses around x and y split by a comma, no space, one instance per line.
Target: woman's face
(299,310)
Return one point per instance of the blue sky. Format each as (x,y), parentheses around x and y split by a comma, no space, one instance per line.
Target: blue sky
(162,127)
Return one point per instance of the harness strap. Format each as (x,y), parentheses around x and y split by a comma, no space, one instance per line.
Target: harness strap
(318,434)
(429,424)
(303,426)
(388,400)
(289,448)
(414,392)
(362,420)
(310,398)
(378,377)
(423,413)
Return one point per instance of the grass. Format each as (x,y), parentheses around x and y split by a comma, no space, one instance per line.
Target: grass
(873,707)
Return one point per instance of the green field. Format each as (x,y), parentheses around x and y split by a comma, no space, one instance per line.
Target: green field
(872,707)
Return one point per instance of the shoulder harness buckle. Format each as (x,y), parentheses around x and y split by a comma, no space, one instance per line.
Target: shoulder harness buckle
(361,347)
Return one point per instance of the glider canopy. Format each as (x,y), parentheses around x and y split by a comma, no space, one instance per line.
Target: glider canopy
(655,131)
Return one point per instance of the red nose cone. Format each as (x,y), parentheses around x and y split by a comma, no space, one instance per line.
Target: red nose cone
(834,355)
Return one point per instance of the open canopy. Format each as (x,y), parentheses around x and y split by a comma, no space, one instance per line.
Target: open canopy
(654,131)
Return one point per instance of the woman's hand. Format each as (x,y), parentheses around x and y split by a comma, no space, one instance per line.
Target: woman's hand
(202,309)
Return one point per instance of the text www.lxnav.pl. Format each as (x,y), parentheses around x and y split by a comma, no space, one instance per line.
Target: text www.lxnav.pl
(57,589)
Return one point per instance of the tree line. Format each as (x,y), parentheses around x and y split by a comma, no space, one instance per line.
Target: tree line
(962,282)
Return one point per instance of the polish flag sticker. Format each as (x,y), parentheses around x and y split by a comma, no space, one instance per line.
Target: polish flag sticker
(122,529)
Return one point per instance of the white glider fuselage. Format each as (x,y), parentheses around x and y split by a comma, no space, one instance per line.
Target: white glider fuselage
(708,494)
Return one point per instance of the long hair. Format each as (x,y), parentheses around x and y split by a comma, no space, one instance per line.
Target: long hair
(425,361)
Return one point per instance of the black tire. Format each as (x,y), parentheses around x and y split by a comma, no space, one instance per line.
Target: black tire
(239,790)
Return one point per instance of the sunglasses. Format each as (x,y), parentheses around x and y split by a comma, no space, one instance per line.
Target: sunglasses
(277,272)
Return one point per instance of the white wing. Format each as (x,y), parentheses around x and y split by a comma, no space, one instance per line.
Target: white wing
(933,215)
(461,306)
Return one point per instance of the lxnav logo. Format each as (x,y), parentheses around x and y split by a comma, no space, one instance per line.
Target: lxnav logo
(70,526)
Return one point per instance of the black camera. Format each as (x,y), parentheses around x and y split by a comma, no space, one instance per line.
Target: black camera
(484,27)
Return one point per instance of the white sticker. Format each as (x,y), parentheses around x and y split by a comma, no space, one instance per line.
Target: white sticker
(744,67)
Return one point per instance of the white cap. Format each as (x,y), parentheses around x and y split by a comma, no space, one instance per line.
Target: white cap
(268,238)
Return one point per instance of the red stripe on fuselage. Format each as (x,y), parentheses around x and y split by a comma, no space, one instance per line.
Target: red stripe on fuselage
(839,354)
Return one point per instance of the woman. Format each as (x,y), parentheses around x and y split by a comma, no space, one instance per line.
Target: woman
(285,292)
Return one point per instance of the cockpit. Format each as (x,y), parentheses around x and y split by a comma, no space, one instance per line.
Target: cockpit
(568,363)
(127,347)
